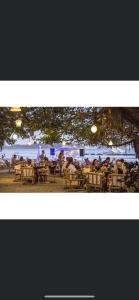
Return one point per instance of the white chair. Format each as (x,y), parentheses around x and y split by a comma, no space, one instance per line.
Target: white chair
(116,182)
(58,169)
(95,181)
(72,181)
(28,174)
(42,175)
(17,170)
(11,168)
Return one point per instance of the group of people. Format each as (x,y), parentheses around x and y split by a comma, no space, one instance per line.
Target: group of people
(119,166)
(3,162)
(130,170)
(115,166)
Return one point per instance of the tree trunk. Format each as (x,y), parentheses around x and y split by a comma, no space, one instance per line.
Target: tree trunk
(136,146)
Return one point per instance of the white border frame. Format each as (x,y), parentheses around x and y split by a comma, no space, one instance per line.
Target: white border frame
(67,205)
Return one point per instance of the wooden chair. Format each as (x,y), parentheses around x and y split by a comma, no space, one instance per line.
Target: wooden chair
(17,174)
(51,177)
(72,181)
(27,174)
(42,175)
(2,164)
(95,181)
(116,182)
(57,169)
(11,168)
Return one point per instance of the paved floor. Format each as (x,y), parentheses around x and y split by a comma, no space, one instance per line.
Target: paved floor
(8,185)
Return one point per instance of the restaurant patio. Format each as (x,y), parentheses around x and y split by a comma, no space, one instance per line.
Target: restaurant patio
(109,127)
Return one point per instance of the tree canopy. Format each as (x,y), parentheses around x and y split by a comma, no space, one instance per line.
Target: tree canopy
(73,124)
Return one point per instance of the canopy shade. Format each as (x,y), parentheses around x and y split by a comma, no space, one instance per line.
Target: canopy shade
(67,148)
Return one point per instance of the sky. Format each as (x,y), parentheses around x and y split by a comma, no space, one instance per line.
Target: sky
(21,141)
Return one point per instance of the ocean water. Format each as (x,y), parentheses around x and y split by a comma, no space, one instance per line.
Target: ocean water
(90,152)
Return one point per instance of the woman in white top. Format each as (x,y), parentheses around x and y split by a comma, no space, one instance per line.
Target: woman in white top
(70,166)
(64,165)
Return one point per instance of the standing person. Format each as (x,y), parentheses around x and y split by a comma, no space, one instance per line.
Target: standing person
(61,160)
(107,161)
(61,155)
(115,167)
(64,165)
(14,159)
(123,167)
(100,159)
(42,156)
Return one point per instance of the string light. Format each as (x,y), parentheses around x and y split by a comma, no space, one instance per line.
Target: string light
(14,136)
(15,109)
(18,123)
(63,143)
(110,143)
(94,129)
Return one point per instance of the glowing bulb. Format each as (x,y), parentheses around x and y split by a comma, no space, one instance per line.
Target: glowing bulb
(15,109)
(29,143)
(110,143)
(63,143)
(14,136)
(94,129)
(18,123)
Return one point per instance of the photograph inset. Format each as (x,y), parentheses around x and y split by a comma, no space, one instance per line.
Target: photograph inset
(69,149)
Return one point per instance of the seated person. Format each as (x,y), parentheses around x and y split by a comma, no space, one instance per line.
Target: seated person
(70,166)
(118,167)
(18,166)
(14,159)
(86,169)
(75,170)
(95,165)
(21,161)
(87,162)
(93,169)
(104,168)
(29,163)
(64,165)
(52,167)
(45,166)
(2,163)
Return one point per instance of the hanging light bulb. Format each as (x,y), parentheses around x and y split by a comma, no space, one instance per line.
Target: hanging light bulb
(14,136)
(110,143)
(94,129)
(15,109)
(18,123)
(30,142)
(63,143)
